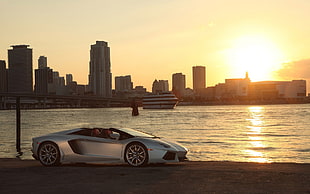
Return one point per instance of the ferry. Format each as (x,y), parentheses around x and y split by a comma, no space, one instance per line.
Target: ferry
(160,101)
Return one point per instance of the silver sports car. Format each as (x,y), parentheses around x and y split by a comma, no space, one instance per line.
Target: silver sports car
(105,145)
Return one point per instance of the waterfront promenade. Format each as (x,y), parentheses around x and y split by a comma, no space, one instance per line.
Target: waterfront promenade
(28,176)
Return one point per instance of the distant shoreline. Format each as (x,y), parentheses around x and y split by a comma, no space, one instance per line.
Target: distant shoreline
(228,103)
(217,103)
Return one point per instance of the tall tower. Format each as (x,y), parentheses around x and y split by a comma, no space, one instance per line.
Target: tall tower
(43,77)
(178,84)
(43,80)
(100,77)
(20,69)
(3,77)
(42,62)
(69,79)
(199,77)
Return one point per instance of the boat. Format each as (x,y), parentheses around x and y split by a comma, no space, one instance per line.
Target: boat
(160,101)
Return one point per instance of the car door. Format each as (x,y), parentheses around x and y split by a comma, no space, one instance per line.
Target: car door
(97,148)
(102,147)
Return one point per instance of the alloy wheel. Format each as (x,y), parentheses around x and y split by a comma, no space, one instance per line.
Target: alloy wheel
(136,155)
(49,154)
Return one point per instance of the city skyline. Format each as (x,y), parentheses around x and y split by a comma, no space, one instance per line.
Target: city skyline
(265,38)
(47,81)
(99,66)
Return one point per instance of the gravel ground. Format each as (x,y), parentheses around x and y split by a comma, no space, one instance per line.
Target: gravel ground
(29,176)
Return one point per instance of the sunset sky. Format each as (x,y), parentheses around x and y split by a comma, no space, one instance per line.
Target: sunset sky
(153,39)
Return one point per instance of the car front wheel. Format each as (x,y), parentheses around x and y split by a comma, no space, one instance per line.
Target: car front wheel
(136,155)
(49,154)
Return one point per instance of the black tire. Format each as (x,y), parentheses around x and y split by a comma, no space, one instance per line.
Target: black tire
(48,154)
(136,154)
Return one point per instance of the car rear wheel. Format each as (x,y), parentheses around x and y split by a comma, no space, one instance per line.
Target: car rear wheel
(49,154)
(136,155)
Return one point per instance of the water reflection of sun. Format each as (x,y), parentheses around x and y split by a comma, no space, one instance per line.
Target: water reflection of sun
(255,150)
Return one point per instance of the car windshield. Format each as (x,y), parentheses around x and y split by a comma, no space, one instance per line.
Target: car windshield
(137,133)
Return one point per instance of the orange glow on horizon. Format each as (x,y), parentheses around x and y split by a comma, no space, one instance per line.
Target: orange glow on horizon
(256,55)
(147,44)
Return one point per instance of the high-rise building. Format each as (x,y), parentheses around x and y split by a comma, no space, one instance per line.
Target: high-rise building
(62,81)
(57,80)
(123,83)
(20,76)
(100,77)
(199,77)
(69,79)
(160,86)
(42,62)
(3,77)
(178,84)
(43,80)
(58,87)
(43,77)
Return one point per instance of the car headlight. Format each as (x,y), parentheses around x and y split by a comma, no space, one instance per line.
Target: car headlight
(165,145)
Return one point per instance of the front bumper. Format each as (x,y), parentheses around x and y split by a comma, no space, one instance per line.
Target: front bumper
(172,156)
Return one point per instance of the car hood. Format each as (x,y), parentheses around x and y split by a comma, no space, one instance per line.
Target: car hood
(174,144)
(163,141)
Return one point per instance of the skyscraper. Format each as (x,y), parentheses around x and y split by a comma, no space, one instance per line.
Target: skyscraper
(42,62)
(3,77)
(43,77)
(178,84)
(123,83)
(43,80)
(199,77)
(20,69)
(160,86)
(100,77)
(69,79)
(57,80)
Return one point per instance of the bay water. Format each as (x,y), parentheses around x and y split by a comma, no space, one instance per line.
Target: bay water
(264,133)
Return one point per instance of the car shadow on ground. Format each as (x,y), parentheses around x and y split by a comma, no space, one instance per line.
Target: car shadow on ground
(121,165)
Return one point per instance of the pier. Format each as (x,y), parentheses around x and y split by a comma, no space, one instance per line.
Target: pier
(37,101)
(33,101)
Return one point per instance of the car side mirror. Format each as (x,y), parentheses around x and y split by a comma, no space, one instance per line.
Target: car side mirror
(115,136)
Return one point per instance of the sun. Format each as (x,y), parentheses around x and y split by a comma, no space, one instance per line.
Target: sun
(256,55)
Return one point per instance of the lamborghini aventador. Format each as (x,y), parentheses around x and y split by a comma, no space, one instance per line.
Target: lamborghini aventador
(108,145)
